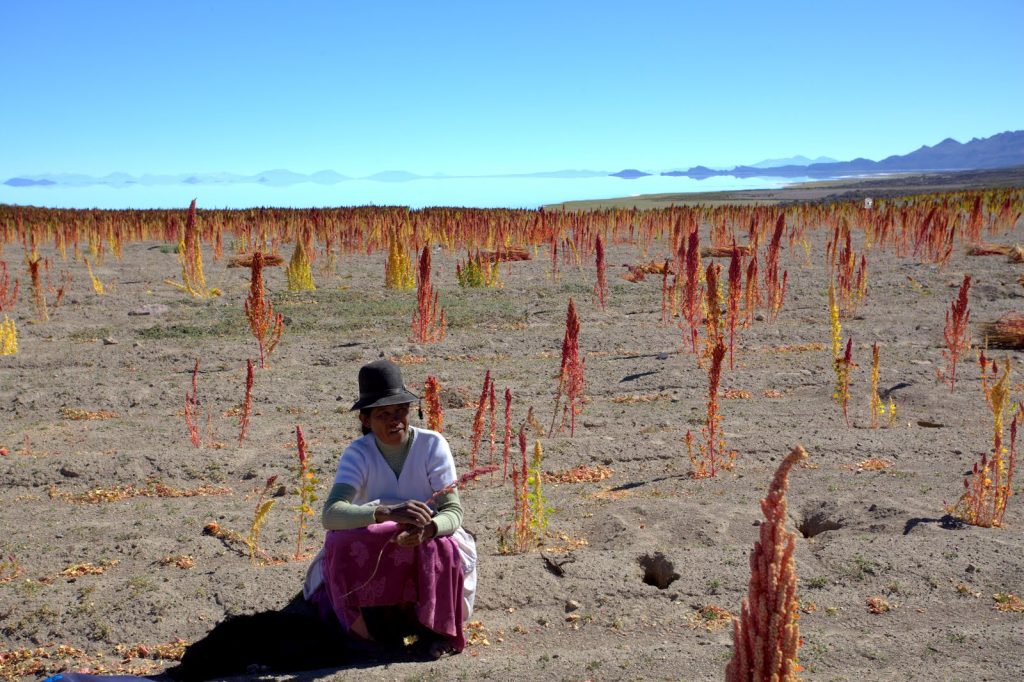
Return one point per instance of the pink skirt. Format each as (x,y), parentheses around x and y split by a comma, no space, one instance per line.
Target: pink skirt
(363,567)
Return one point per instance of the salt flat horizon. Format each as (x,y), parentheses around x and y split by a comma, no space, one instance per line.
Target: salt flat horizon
(522,192)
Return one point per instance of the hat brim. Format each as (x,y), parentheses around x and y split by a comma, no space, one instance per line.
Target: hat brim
(400,398)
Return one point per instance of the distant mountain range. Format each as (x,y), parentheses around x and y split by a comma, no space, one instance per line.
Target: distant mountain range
(998,151)
(791,161)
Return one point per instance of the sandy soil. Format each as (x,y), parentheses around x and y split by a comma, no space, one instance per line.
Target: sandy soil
(886,540)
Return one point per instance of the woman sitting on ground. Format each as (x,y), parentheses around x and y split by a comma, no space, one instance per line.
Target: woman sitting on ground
(396,561)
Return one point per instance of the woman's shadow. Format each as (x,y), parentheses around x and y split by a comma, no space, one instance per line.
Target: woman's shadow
(293,639)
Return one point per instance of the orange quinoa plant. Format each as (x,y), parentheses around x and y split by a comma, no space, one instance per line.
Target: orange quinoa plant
(692,292)
(766,637)
(428,320)
(37,289)
(307,482)
(774,286)
(192,408)
(243,420)
(601,288)
(956,333)
(8,295)
(712,452)
(507,443)
(735,290)
(266,326)
(570,373)
(432,396)
(713,306)
(478,420)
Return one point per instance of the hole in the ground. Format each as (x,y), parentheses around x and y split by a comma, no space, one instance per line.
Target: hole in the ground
(819,518)
(658,570)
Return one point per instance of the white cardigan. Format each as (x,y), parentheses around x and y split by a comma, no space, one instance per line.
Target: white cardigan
(429,467)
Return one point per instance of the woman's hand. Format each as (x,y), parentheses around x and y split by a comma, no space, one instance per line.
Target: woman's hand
(412,513)
(410,536)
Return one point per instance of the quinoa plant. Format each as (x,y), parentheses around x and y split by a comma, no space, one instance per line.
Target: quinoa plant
(668,300)
(463,480)
(842,362)
(570,373)
(478,420)
(766,636)
(713,309)
(192,409)
(8,337)
(398,269)
(751,292)
(243,419)
(835,326)
(601,288)
(190,255)
(986,365)
(429,323)
(37,289)
(267,327)
(539,509)
(8,294)
(97,285)
(692,292)
(306,485)
(878,408)
(519,536)
(733,300)
(259,517)
(506,451)
(990,485)
(432,397)
(842,367)
(10,569)
(956,333)
(299,272)
(775,287)
(477,271)
(712,453)
(493,426)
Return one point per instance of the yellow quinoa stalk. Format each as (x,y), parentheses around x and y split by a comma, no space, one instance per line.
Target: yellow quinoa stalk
(190,255)
(842,366)
(878,408)
(62,245)
(299,272)
(8,337)
(842,362)
(398,269)
(114,239)
(263,507)
(97,285)
(538,505)
(989,487)
(836,326)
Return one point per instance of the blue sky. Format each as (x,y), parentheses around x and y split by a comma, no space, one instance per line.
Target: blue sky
(488,87)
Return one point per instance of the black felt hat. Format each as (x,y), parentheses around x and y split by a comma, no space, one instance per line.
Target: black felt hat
(380,384)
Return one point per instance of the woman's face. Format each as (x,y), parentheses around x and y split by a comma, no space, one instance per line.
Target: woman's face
(389,423)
